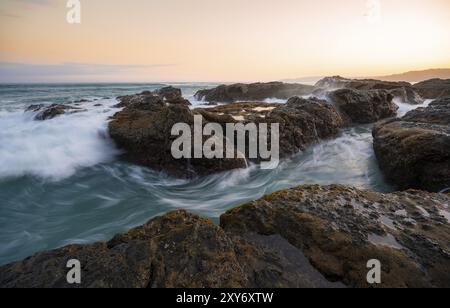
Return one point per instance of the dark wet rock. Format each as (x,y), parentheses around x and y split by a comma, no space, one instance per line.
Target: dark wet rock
(433,88)
(47,112)
(339,229)
(98,105)
(401,90)
(414,151)
(302,121)
(407,95)
(253,92)
(143,97)
(361,107)
(176,250)
(82,101)
(168,93)
(338,82)
(143,129)
(309,236)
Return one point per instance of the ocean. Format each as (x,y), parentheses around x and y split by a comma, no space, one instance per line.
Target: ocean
(61,180)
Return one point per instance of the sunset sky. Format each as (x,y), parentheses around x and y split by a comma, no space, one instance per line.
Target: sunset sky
(220,40)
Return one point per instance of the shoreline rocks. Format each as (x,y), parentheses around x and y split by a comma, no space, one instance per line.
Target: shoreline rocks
(308,236)
(253,92)
(143,129)
(401,90)
(414,151)
(363,107)
(433,88)
(48,112)
(303,122)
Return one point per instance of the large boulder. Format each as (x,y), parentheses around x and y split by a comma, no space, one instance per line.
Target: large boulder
(339,229)
(143,129)
(361,107)
(414,151)
(433,88)
(253,92)
(309,236)
(401,90)
(48,112)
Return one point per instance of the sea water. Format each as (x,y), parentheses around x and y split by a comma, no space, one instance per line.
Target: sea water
(61,181)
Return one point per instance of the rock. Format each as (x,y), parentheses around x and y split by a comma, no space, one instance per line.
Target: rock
(407,95)
(82,101)
(414,151)
(253,92)
(47,112)
(309,236)
(339,229)
(433,88)
(338,82)
(361,107)
(168,93)
(302,121)
(143,130)
(177,250)
(401,90)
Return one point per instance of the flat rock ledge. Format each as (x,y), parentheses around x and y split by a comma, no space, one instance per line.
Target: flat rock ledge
(309,236)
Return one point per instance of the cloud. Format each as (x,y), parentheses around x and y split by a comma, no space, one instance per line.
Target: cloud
(21,72)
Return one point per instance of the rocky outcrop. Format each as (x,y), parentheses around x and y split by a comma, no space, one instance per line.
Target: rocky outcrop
(401,90)
(47,112)
(253,92)
(433,88)
(309,236)
(168,93)
(143,129)
(414,151)
(339,229)
(338,82)
(361,107)
(302,121)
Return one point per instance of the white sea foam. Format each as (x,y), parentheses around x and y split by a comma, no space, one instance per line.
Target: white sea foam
(56,148)
(405,108)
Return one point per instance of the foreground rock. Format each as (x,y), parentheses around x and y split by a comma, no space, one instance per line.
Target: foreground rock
(309,236)
(253,92)
(433,88)
(401,90)
(414,151)
(47,112)
(361,107)
(339,229)
(143,130)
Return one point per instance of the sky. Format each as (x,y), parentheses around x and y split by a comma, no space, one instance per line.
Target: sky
(220,40)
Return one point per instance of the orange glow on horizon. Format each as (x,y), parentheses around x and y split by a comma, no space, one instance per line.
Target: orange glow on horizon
(229,40)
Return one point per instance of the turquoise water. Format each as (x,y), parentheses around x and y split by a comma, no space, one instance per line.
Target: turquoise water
(62,183)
